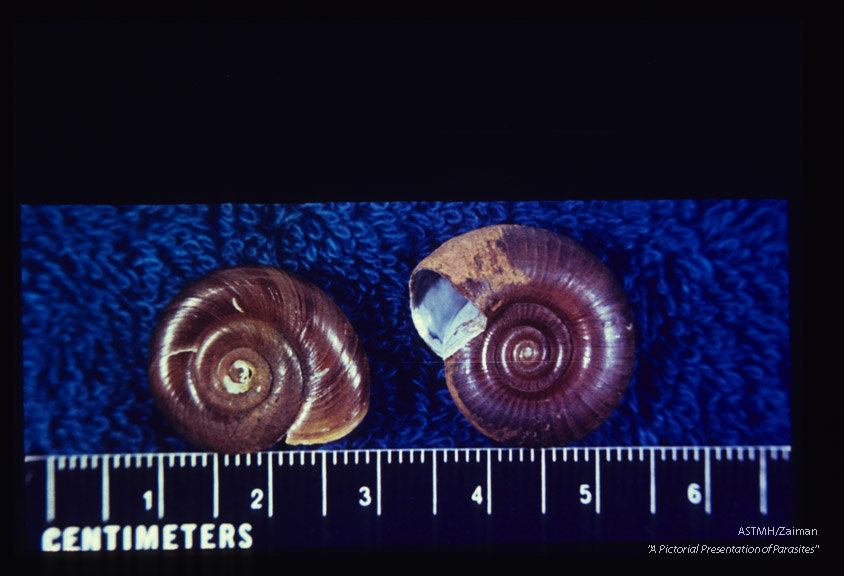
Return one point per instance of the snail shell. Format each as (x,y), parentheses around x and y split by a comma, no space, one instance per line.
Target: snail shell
(248,356)
(536,334)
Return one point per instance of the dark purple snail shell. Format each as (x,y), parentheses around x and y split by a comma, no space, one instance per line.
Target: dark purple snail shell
(537,335)
(252,355)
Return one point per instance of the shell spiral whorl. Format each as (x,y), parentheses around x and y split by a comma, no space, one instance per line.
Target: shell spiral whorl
(536,334)
(248,356)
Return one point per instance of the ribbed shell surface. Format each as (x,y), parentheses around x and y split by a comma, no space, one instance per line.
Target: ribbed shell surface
(559,346)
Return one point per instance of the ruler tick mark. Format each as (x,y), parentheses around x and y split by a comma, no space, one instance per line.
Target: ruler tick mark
(378,481)
(160,487)
(763,484)
(653,481)
(51,489)
(434,481)
(707,482)
(270,487)
(324,488)
(488,483)
(542,481)
(597,483)
(216,494)
(106,489)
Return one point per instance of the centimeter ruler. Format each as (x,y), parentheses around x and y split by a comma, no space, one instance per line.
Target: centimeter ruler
(272,500)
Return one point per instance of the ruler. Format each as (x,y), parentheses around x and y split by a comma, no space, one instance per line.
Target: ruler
(408,497)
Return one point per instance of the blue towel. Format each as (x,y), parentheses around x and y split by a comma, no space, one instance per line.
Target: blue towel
(707,281)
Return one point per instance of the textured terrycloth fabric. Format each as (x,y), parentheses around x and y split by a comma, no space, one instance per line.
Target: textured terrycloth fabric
(707,281)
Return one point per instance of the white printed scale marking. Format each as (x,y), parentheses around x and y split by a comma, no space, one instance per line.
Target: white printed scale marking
(56,464)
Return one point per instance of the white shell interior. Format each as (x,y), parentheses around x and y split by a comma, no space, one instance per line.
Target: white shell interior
(444,318)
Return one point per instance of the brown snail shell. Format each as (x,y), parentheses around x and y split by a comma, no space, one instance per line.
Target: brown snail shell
(248,356)
(537,335)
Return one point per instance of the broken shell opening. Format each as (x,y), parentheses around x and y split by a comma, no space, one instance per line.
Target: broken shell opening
(445,319)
